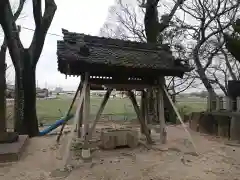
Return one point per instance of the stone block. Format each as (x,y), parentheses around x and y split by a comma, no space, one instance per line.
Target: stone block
(10,152)
(112,138)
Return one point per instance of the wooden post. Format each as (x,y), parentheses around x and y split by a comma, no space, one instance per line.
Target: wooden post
(141,120)
(80,115)
(69,110)
(76,119)
(86,107)
(142,108)
(163,133)
(99,113)
(80,121)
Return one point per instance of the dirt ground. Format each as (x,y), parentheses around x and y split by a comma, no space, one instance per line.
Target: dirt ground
(42,160)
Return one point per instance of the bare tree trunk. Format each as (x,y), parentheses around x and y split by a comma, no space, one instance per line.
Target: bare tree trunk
(2,91)
(25,60)
(25,93)
(201,72)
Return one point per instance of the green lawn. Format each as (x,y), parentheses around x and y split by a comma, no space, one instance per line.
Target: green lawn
(48,110)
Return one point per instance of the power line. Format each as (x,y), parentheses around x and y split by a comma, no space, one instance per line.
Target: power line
(52,34)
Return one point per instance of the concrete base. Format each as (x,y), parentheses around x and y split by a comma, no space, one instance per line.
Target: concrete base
(10,152)
(8,137)
(112,138)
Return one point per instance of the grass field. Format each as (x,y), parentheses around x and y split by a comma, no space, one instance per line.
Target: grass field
(48,109)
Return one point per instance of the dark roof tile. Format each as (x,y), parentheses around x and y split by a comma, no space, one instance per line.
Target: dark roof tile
(114,52)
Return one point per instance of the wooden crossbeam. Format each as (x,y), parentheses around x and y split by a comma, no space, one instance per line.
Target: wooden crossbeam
(140,118)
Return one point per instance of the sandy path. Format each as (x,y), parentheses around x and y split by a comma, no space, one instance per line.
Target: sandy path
(216,161)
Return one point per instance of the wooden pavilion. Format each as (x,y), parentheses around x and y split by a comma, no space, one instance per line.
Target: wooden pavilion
(116,64)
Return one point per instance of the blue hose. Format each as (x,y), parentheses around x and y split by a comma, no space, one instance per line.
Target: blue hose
(55,125)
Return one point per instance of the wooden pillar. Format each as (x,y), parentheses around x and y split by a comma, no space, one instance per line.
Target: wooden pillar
(146,111)
(161,116)
(99,113)
(80,87)
(142,108)
(150,105)
(140,118)
(80,115)
(80,121)
(66,156)
(86,107)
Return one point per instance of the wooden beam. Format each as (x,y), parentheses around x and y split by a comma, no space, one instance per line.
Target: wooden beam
(180,119)
(143,108)
(80,86)
(140,118)
(86,107)
(147,118)
(80,120)
(121,87)
(99,113)
(161,116)
(76,118)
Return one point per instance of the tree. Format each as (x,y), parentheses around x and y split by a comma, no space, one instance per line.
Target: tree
(25,61)
(233,40)
(206,39)
(125,21)
(5,136)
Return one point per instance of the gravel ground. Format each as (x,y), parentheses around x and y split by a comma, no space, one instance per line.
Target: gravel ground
(175,160)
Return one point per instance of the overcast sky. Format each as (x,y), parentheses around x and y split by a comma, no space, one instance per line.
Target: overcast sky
(83,16)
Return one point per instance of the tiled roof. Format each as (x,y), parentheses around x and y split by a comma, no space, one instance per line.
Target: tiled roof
(113,52)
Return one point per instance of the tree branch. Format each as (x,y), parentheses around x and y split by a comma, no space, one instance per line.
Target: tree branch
(40,32)
(37,12)
(7,20)
(166,20)
(15,17)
